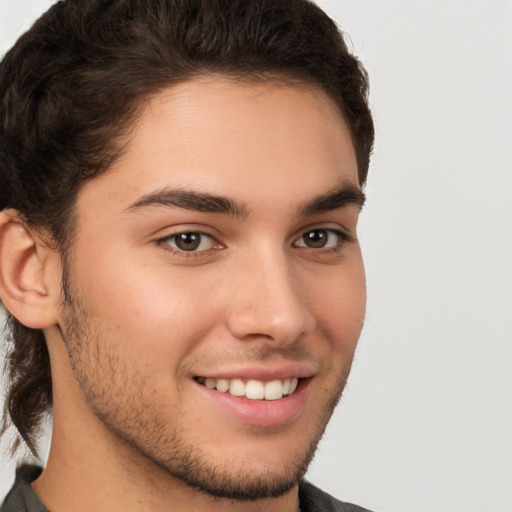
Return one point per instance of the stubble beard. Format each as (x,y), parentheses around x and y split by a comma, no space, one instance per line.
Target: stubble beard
(109,388)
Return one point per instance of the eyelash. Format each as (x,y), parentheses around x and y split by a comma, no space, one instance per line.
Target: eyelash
(342,238)
(165,242)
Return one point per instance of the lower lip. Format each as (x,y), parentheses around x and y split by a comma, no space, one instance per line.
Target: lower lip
(261,413)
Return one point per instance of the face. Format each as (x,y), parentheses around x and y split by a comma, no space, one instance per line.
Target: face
(216,286)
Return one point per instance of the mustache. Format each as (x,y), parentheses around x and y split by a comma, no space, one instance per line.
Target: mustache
(252,353)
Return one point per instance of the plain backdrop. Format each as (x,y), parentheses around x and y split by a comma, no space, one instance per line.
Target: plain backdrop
(426,421)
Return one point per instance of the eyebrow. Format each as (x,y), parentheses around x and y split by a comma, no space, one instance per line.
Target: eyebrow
(343,196)
(191,200)
(203,202)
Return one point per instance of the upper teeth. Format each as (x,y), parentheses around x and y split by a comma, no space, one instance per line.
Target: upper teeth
(253,389)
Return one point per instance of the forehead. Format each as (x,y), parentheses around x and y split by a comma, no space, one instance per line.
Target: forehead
(249,141)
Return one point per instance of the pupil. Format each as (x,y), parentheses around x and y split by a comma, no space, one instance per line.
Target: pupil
(316,239)
(188,241)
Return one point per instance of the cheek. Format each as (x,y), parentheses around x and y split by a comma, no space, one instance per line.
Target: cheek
(338,303)
(154,311)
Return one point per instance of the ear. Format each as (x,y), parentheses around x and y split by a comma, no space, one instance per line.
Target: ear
(29,273)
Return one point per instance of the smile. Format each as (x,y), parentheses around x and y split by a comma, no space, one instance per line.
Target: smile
(252,389)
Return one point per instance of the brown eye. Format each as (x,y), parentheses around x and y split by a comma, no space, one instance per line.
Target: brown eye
(316,239)
(190,241)
(321,239)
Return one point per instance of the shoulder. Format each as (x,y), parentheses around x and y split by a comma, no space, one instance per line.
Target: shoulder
(313,499)
(22,498)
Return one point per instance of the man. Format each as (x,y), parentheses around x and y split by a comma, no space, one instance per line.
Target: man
(180,187)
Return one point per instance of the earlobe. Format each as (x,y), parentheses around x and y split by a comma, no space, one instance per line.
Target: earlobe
(28,282)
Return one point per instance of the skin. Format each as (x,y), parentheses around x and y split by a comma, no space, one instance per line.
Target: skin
(133,429)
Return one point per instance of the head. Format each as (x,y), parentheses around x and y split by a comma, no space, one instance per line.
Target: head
(88,96)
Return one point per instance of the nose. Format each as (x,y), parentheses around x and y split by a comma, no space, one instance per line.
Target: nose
(268,301)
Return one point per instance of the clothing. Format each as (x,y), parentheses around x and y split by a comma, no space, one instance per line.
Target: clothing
(312,499)
(22,498)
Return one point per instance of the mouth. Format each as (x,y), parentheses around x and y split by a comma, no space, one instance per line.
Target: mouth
(253,389)
(263,400)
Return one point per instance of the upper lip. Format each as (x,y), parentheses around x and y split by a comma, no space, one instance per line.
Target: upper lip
(261,372)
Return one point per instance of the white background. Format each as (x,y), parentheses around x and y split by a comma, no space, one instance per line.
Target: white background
(426,421)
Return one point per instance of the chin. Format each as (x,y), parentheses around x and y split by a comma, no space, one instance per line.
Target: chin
(243,479)
(248,475)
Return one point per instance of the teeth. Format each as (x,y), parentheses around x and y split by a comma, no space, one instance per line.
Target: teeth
(222,385)
(210,383)
(237,387)
(253,389)
(274,390)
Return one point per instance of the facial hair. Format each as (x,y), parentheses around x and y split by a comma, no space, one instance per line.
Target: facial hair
(115,388)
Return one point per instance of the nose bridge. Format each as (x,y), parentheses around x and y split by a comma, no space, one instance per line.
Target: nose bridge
(268,301)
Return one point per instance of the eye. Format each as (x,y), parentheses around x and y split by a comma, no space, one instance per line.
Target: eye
(321,239)
(190,241)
